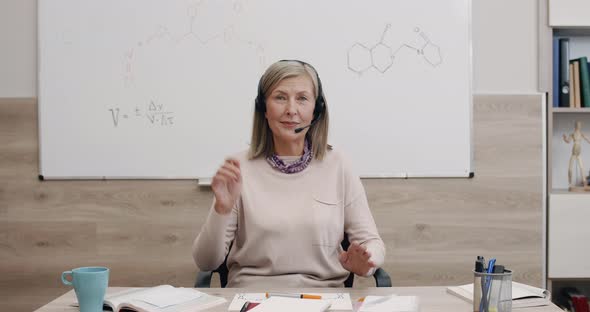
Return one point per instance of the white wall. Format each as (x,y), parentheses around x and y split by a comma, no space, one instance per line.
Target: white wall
(18,48)
(505,37)
(504,47)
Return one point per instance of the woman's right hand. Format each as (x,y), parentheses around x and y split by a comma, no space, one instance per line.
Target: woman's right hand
(227,186)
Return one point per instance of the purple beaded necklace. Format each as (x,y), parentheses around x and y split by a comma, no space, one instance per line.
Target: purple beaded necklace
(297,166)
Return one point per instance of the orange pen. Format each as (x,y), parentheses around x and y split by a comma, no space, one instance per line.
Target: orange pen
(302,296)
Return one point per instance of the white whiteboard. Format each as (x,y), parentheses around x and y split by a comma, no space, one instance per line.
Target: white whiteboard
(165,88)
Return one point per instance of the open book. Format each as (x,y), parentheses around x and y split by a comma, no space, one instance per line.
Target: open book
(522,295)
(160,298)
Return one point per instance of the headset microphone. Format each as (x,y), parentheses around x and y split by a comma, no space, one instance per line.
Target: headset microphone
(303,128)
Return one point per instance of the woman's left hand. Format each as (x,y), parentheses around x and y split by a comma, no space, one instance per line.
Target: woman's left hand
(356,259)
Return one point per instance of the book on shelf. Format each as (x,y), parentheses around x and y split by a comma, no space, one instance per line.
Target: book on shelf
(555,81)
(564,73)
(571,77)
(580,303)
(584,80)
(160,298)
(522,295)
(571,299)
(577,81)
(572,87)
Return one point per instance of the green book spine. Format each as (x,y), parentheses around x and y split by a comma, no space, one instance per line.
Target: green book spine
(584,82)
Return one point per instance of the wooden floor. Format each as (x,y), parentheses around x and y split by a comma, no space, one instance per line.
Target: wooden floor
(143,230)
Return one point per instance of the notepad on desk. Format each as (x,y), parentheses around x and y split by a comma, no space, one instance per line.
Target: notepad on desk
(160,298)
(522,295)
(274,304)
(338,301)
(391,303)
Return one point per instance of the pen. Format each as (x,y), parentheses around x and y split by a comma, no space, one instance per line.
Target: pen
(302,296)
(491,265)
(498,269)
(478,283)
(479,264)
(245,306)
(484,304)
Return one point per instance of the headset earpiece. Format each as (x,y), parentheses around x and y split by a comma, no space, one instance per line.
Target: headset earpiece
(260,101)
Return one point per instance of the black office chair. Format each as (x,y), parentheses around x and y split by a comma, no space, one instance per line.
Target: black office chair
(204,278)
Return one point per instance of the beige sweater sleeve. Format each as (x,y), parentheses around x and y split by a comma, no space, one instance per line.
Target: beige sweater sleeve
(212,244)
(358,220)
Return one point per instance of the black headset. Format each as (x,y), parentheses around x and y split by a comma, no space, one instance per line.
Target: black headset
(320,102)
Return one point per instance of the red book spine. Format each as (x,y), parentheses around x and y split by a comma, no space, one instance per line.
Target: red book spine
(580,303)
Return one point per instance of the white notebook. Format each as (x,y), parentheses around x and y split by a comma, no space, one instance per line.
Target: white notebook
(284,304)
(339,301)
(522,295)
(391,303)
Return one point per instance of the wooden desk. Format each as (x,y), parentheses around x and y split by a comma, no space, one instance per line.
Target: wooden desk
(432,299)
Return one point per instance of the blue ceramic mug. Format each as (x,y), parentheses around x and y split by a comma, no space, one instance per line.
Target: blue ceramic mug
(90,285)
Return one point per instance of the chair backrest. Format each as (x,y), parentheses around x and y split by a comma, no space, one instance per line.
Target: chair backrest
(223,271)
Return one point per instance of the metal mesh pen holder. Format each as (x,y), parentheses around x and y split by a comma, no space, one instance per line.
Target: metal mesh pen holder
(492,292)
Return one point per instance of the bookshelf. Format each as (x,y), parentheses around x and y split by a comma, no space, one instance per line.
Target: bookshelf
(569,110)
(568,213)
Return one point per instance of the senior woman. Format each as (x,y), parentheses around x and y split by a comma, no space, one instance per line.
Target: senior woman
(287,201)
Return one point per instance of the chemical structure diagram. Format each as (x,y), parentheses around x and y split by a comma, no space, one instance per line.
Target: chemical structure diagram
(198,29)
(381,55)
(155,115)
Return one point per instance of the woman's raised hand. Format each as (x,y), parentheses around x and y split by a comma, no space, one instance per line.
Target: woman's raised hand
(356,259)
(227,186)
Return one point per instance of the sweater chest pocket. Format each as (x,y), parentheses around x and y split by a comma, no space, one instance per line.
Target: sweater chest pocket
(328,221)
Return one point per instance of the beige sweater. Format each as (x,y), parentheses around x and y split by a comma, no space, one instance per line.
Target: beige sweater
(287,228)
